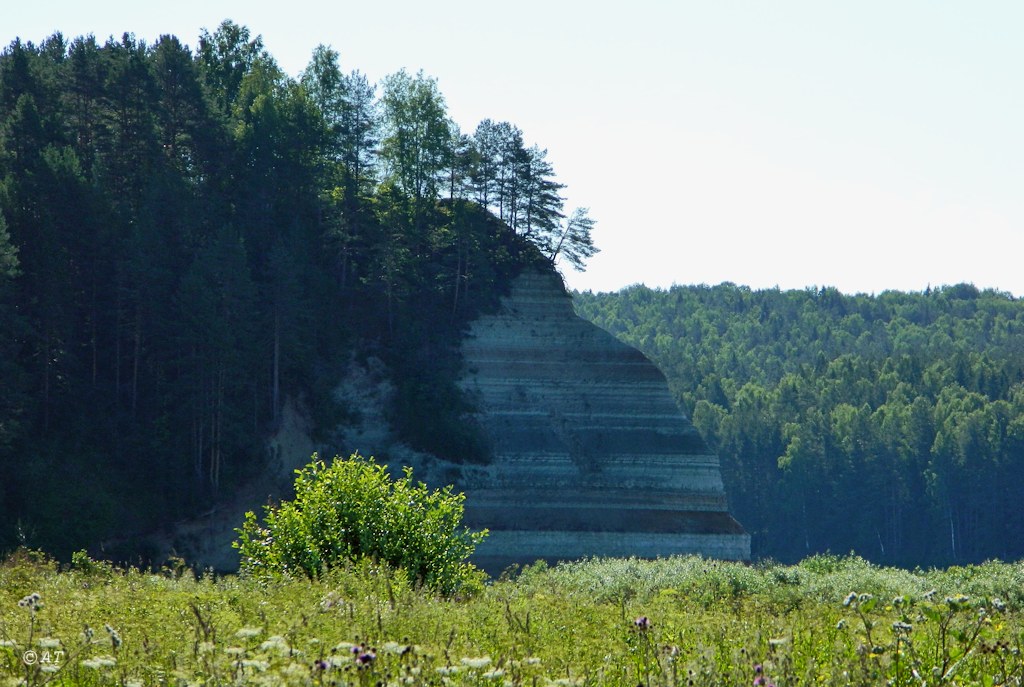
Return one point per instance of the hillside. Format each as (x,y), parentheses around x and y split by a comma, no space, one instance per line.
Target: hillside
(191,239)
(890,425)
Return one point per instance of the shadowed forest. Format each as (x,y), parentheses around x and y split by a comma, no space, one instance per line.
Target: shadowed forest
(190,237)
(890,425)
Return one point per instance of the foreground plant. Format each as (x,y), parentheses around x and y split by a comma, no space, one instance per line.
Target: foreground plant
(353,509)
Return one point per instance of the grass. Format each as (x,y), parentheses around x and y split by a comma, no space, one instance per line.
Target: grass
(678,621)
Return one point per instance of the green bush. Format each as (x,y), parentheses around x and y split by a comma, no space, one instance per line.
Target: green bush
(353,509)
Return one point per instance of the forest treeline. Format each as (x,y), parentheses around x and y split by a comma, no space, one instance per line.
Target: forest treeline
(889,425)
(190,237)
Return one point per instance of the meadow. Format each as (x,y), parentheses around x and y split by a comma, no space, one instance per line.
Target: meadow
(679,621)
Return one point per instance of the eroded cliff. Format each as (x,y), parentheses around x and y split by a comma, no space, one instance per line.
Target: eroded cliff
(590,453)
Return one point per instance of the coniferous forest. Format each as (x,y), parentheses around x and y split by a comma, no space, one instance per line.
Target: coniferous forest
(890,425)
(189,237)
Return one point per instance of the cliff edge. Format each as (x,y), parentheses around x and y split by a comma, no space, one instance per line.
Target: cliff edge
(591,456)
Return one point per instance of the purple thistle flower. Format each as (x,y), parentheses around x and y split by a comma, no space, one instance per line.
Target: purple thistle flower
(643,623)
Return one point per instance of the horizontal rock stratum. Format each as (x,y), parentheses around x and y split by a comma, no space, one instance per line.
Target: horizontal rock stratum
(591,454)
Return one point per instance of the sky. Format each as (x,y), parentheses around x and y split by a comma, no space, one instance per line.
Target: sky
(868,146)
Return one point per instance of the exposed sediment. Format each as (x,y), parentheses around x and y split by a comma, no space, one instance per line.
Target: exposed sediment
(591,455)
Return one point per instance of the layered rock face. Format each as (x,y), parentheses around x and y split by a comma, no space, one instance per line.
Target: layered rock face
(591,455)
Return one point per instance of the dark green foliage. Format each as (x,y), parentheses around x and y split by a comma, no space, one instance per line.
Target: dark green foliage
(352,509)
(189,239)
(892,425)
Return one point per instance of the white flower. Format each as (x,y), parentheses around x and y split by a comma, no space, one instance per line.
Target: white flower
(481,662)
(248,632)
(392,648)
(275,643)
(256,665)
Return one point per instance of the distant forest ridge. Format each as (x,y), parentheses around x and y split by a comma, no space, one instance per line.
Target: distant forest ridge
(890,425)
(188,238)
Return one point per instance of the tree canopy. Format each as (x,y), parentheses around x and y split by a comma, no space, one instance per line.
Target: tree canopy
(188,237)
(892,425)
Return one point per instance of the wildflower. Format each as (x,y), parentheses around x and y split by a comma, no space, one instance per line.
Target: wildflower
(481,662)
(759,681)
(256,665)
(998,605)
(758,669)
(493,674)
(898,601)
(841,624)
(393,648)
(930,594)
(248,632)
(850,598)
(275,643)
(330,601)
(115,638)
(100,662)
(234,651)
(321,665)
(643,623)
(8,643)
(366,658)
(447,670)
(33,602)
(49,643)
(901,628)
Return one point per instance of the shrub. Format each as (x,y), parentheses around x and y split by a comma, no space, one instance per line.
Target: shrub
(353,509)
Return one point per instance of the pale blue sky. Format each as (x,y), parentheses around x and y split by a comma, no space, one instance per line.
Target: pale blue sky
(868,145)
